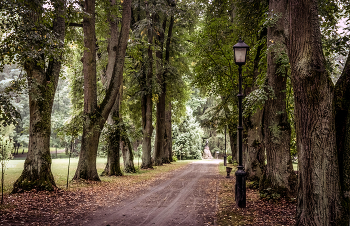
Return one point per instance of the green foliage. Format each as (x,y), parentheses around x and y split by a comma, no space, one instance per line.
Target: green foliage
(5,156)
(256,100)
(5,150)
(229,159)
(174,158)
(26,32)
(187,138)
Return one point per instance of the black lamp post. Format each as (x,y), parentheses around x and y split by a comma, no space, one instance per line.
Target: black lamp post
(225,156)
(240,52)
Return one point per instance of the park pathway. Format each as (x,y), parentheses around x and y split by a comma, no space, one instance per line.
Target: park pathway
(188,197)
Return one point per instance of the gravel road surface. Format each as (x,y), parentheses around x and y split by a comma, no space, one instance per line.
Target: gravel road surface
(186,197)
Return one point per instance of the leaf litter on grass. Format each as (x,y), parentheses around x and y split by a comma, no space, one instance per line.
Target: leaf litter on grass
(66,206)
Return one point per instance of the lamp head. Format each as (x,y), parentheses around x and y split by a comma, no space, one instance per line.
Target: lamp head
(240,51)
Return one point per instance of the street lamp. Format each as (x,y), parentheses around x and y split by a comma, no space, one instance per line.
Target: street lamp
(240,52)
(225,156)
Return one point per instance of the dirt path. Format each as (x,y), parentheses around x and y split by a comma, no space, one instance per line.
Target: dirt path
(187,198)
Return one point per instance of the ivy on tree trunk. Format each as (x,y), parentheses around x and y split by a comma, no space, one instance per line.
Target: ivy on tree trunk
(279,174)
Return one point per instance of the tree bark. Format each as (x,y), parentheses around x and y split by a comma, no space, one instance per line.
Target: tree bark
(168,134)
(342,126)
(232,132)
(114,136)
(42,87)
(91,132)
(96,116)
(147,105)
(114,133)
(253,148)
(253,151)
(159,153)
(279,174)
(168,139)
(128,156)
(319,199)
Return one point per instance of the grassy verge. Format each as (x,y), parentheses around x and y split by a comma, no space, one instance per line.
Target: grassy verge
(60,169)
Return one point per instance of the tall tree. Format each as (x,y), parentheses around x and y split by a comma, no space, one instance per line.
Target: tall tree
(113,130)
(161,152)
(35,41)
(279,174)
(342,126)
(319,197)
(146,101)
(96,115)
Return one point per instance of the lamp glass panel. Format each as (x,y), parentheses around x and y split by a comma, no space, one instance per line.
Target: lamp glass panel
(240,54)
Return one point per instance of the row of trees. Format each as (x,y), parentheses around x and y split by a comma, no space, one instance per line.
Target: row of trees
(131,55)
(291,104)
(45,39)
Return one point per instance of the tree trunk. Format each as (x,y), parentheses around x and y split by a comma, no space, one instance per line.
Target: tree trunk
(168,134)
(254,154)
(146,106)
(342,126)
(319,199)
(232,132)
(168,149)
(128,156)
(91,131)
(42,87)
(253,151)
(147,131)
(114,134)
(113,148)
(95,117)
(279,174)
(159,153)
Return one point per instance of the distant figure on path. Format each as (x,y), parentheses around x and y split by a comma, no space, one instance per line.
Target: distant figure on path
(207,153)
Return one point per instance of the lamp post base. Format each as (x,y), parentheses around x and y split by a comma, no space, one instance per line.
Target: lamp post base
(225,160)
(240,191)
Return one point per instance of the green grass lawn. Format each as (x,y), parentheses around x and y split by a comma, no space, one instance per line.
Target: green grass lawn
(60,169)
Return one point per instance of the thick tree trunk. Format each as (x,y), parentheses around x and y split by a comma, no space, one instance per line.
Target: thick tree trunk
(168,149)
(128,156)
(159,153)
(147,131)
(91,131)
(113,153)
(42,87)
(253,150)
(279,174)
(319,198)
(342,126)
(95,118)
(37,166)
(114,135)
(168,134)
(146,106)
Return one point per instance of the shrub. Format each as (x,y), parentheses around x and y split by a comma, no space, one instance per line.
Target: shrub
(174,158)
(197,154)
(229,159)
